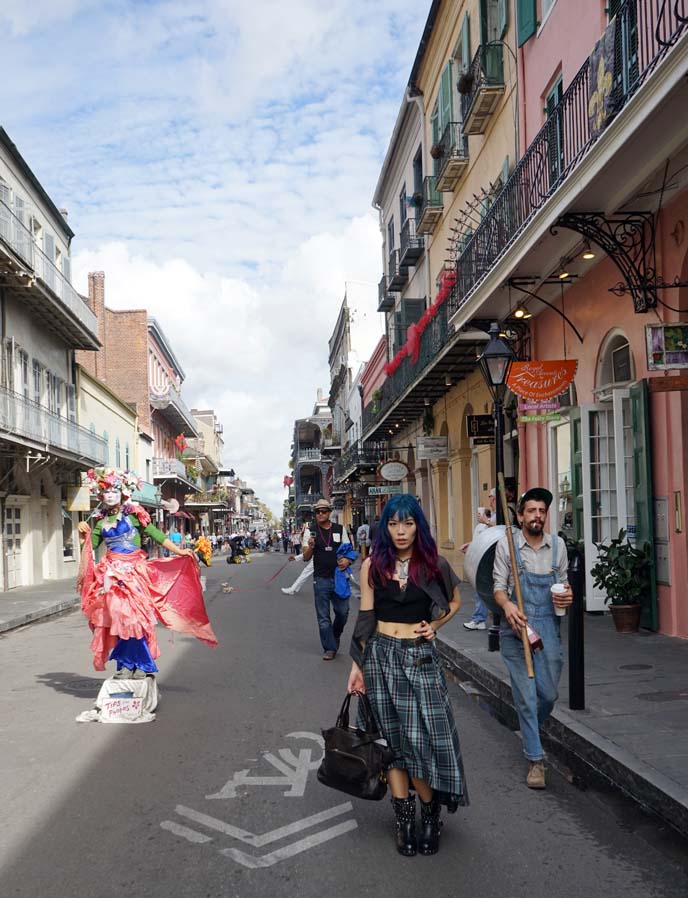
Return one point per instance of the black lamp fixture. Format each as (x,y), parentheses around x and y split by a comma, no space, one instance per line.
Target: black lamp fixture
(563,272)
(587,253)
(522,313)
(495,363)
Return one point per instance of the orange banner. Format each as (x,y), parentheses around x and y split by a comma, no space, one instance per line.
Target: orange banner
(541,380)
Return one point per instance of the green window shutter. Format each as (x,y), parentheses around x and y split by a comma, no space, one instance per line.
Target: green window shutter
(527,20)
(502,16)
(466,43)
(642,487)
(445,98)
(399,333)
(412,311)
(577,472)
(435,125)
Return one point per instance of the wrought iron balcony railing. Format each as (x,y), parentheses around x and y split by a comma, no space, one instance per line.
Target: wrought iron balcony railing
(396,274)
(307,500)
(482,86)
(21,417)
(451,159)
(411,246)
(360,455)
(19,238)
(306,455)
(431,206)
(646,32)
(385,295)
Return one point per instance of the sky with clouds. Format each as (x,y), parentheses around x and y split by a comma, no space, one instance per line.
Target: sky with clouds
(218,160)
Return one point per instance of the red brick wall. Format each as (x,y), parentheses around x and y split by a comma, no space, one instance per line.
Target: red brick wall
(122,361)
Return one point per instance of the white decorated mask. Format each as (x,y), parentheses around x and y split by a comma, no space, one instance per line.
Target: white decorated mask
(112,498)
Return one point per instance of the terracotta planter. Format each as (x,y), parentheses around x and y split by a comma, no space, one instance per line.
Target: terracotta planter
(626,618)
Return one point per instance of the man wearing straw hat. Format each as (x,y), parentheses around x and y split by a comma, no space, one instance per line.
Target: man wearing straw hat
(542,562)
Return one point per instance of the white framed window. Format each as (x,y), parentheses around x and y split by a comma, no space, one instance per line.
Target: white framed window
(37,382)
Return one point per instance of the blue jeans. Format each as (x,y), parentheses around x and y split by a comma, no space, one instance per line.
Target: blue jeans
(480,613)
(534,699)
(325,596)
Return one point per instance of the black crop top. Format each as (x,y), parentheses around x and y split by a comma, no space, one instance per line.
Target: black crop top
(401,606)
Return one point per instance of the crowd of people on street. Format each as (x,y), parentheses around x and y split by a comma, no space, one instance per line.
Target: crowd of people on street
(407,593)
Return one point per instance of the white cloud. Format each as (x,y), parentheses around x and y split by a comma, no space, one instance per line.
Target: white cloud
(218,161)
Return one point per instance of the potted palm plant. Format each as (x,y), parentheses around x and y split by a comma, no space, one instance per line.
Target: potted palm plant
(624,572)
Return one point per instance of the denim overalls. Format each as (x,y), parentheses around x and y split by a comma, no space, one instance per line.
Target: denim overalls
(534,699)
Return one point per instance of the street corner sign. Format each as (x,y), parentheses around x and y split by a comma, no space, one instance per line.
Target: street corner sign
(393,470)
(541,380)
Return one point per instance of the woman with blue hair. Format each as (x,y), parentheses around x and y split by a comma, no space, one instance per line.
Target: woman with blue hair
(408,591)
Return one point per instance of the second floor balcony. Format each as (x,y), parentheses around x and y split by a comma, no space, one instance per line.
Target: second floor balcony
(431,207)
(307,500)
(26,422)
(306,455)
(45,290)
(174,469)
(481,87)
(358,459)
(451,157)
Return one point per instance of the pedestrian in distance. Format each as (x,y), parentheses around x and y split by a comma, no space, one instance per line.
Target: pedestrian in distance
(322,545)
(408,592)
(363,539)
(542,561)
(486,518)
(296,539)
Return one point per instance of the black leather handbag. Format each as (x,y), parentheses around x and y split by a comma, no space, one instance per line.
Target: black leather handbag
(355,761)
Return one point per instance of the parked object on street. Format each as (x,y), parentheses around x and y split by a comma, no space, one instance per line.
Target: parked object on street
(623,571)
(124,595)
(124,701)
(407,593)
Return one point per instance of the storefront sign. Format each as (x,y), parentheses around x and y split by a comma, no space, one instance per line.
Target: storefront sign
(393,470)
(432,447)
(482,441)
(480,426)
(548,406)
(541,380)
(78,498)
(390,489)
(667,346)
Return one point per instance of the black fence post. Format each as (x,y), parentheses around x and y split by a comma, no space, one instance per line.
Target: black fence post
(576,623)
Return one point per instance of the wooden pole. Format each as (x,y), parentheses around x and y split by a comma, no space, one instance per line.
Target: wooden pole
(514,570)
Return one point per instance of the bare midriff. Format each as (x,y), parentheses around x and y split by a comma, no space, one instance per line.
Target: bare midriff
(398,631)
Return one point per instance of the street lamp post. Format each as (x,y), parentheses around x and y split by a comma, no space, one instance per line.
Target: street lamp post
(494,364)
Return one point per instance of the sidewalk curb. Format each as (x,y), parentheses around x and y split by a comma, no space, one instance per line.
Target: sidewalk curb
(575,744)
(49,611)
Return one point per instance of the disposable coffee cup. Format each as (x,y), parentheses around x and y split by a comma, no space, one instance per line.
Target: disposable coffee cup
(557,589)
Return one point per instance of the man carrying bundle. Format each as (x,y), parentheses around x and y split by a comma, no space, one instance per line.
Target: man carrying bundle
(542,563)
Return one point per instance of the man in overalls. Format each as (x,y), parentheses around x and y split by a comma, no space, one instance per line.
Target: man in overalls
(542,561)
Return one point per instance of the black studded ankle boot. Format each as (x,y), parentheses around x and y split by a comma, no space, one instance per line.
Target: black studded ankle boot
(405,813)
(429,839)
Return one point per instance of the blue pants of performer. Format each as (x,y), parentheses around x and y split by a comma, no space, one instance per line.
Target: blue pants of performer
(326,598)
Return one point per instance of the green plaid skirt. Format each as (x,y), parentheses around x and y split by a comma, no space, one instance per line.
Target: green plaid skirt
(408,694)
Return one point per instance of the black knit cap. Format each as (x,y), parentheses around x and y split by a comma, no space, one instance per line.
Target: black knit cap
(538,493)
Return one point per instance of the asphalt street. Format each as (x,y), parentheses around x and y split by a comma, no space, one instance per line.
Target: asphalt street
(218,796)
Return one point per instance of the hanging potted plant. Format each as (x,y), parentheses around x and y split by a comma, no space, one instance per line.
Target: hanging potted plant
(437,151)
(428,421)
(624,572)
(417,199)
(465,83)
(376,397)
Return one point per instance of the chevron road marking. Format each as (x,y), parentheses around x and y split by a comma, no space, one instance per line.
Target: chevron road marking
(189,834)
(267,860)
(257,841)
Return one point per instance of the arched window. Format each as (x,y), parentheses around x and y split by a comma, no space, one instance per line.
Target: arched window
(616,361)
(118,454)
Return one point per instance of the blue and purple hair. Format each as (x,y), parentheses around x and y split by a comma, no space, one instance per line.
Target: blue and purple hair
(383,555)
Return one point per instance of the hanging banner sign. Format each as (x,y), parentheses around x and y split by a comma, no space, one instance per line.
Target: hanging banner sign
(393,470)
(541,380)
(538,419)
(390,489)
(78,498)
(480,426)
(549,406)
(432,447)
(482,441)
